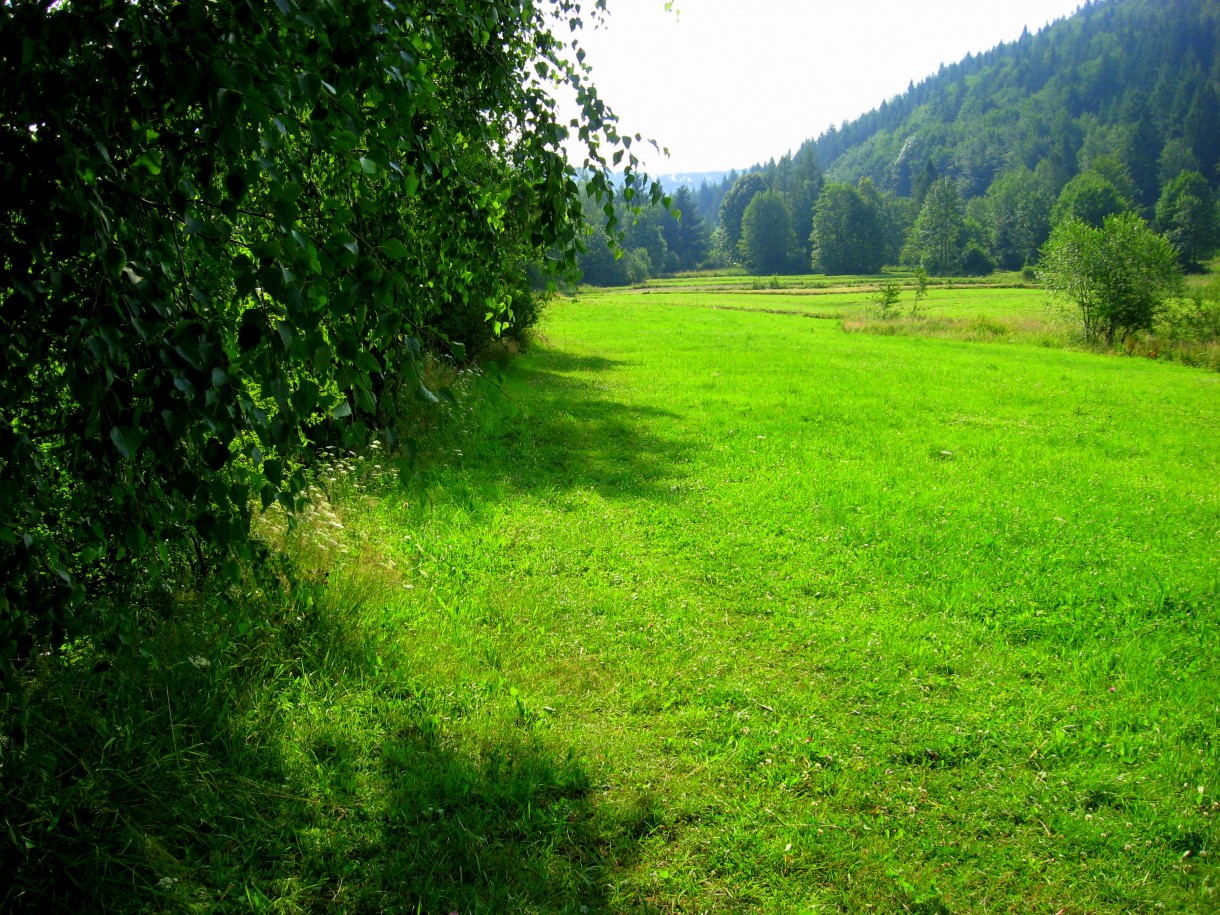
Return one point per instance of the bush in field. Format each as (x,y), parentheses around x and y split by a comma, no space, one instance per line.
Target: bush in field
(886,298)
(1117,276)
(1192,318)
(921,290)
(976,261)
(225,226)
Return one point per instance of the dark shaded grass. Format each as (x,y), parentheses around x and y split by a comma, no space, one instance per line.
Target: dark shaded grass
(292,769)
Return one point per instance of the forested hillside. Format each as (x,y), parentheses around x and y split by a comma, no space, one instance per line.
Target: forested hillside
(1113,104)
(1129,82)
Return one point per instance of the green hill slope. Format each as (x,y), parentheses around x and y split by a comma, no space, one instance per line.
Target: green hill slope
(1135,80)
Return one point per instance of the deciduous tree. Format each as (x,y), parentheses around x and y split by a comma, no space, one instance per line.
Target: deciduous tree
(733,208)
(767,238)
(1186,215)
(936,235)
(1116,275)
(224,229)
(1016,214)
(847,233)
(1088,197)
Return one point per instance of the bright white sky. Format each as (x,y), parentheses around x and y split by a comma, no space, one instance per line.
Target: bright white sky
(728,83)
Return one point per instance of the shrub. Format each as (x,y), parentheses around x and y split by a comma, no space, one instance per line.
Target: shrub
(1194,318)
(886,297)
(976,261)
(1117,276)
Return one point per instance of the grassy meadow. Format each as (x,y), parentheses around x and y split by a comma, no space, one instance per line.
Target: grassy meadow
(854,305)
(707,605)
(816,282)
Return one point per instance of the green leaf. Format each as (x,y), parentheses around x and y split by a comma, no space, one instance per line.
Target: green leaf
(395,249)
(225,218)
(119,438)
(273,471)
(321,360)
(309,84)
(114,259)
(364,399)
(150,161)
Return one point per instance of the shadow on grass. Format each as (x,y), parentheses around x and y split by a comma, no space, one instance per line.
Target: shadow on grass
(289,774)
(507,829)
(577,435)
(285,767)
(553,360)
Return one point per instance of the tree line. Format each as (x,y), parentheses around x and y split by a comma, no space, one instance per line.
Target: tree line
(837,227)
(1114,109)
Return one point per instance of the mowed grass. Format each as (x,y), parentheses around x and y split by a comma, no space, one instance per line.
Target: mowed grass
(718,610)
(833,622)
(958,302)
(817,282)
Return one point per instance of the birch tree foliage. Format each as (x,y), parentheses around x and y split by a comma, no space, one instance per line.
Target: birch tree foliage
(225,229)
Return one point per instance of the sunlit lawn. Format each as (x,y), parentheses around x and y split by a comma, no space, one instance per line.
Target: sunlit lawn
(836,620)
(957,302)
(706,609)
